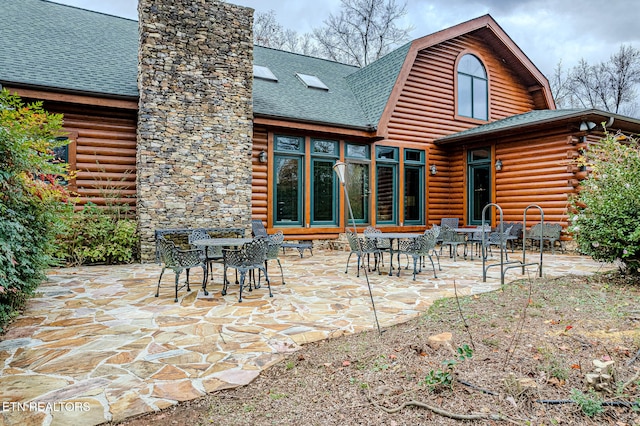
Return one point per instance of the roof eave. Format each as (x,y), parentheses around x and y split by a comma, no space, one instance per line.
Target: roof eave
(584,115)
(369,131)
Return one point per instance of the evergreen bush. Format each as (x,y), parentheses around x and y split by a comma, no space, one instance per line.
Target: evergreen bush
(31,198)
(605,214)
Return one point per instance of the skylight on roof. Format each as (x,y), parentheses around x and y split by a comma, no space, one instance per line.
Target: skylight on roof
(264,73)
(312,81)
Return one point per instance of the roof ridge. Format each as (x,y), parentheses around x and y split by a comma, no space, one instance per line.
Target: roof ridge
(87,10)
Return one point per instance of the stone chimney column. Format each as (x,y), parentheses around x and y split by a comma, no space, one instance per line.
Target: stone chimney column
(195,117)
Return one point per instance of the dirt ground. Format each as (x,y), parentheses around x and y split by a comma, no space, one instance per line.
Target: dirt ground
(520,355)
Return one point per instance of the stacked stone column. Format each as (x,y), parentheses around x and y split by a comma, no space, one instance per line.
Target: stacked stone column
(195,116)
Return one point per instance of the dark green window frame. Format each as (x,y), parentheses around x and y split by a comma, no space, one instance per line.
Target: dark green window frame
(288,151)
(358,159)
(478,164)
(387,169)
(324,182)
(473,88)
(414,165)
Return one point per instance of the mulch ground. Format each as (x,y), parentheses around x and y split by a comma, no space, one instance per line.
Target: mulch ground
(519,355)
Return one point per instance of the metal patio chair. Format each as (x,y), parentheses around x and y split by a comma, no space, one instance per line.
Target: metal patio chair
(274,244)
(383,244)
(250,257)
(362,246)
(419,248)
(212,253)
(499,239)
(449,237)
(178,260)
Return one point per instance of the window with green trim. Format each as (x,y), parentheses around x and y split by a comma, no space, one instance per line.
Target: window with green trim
(473,93)
(324,182)
(386,184)
(414,170)
(358,159)
(289,180)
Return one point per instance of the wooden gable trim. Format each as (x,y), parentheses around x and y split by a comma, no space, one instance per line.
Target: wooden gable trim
(430,40)
(74,99)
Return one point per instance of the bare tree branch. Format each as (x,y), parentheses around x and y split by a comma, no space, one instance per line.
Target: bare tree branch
(363,31)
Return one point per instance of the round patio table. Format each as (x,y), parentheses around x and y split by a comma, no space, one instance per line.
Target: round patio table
(221,242)
(391,236)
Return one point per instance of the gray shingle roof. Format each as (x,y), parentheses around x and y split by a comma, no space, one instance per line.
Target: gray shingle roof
(373,84)
(290,98)
(59,47)
(515,121)
(52,45)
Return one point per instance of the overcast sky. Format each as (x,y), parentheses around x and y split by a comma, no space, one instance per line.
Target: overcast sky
(546,30)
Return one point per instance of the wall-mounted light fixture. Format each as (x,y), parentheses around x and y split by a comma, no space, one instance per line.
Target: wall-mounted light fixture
(433,169)
(586,126)
(262,157)
(498,164)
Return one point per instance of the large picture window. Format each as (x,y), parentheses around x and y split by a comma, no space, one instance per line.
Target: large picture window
(473,93)
(324,184)
(413,187)
(386,184)
(358,163)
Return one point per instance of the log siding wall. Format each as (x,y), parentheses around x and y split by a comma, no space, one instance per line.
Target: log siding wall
(426,110)
(105,160)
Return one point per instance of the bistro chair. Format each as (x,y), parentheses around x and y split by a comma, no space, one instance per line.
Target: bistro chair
(383,244)
(435,230)
(212,253)
(251,256)
(476,239)
(451,222)
(449,237)
(515,236)
(179,260)
(258,229)
(274,244)
(499,239)
(362,246)
(419,248)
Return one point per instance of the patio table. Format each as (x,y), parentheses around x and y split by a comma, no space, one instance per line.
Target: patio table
(392,236)
(469,231)
(221,242)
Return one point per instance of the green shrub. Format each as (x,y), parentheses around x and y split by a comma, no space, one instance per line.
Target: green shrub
(31,198)
(604,214)
(590,403)
(97,235)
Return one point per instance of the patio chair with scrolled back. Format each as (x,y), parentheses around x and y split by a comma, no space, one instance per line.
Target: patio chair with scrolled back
(547,232)
(451,222)
(257,228)
(449,237)
(499,239)
(250,257)
(435,230)
(515,235)
(418,248)
(178,260)
(383,244)
(274,244)
(476,238)
(212,253)
(361,246)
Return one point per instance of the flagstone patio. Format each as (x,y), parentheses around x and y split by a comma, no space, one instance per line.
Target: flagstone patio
(95,345)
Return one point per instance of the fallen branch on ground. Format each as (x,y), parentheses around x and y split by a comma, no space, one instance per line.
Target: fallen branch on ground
(441,411)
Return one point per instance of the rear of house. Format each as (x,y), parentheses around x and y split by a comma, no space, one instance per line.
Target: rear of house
(440,127)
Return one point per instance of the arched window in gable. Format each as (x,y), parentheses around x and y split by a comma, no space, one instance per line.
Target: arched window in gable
(473,88)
